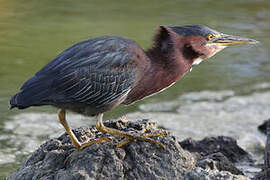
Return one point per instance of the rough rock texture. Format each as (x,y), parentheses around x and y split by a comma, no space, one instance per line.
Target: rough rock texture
(221,144)
(267,153)
(217,153)
(265,173)
(137,160)
(206,174)
(263,126)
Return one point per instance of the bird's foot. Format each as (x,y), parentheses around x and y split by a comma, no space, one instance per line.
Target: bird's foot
(99,140)
(130,137)
(142,137)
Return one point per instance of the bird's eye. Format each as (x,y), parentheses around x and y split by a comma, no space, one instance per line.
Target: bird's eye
(210,37)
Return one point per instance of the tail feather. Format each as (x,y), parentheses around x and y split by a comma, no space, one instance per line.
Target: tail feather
(14,102)
(33,93)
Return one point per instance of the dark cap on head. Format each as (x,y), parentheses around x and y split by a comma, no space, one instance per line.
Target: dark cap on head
(190,30)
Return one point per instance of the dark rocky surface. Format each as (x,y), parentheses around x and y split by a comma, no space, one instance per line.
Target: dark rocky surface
(212,145)
(210,158)
(265,173)
(263,126)
(217,153)
(267,152)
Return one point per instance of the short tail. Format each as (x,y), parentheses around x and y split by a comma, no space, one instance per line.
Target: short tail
(14,102)
(34,92)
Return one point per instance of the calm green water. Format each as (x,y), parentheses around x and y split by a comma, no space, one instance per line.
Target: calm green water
(34,32)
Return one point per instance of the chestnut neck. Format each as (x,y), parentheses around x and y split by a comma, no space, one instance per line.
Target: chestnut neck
(162,70)
(166,68)
(171,63)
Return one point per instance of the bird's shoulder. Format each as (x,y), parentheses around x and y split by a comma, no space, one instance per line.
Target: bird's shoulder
(100,53)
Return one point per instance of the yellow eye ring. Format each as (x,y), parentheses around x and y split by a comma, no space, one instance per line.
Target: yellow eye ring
(210,37)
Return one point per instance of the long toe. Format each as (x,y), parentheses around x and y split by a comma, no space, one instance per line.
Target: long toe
(99,140)
(142,137)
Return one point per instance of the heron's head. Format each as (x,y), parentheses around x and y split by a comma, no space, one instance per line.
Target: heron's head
(195,42)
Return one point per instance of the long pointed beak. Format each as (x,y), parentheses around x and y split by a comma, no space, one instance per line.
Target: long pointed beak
(228,40)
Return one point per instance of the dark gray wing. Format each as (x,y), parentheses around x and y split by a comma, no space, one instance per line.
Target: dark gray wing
(95,72)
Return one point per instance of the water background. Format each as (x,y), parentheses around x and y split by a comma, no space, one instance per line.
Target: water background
(226,95)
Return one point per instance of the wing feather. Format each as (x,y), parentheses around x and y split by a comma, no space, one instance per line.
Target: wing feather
(95,72)
(100,76)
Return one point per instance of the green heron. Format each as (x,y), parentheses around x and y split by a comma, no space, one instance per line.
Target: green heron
(95,75)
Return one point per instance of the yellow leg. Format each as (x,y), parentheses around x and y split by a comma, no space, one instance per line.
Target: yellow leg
(62,120)
(130,137)
(100,126)
(74,140)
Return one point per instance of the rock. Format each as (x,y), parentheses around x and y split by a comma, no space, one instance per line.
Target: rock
(217,161)
(136,160)
(217,153)
(202,174)
(265,174)
(260,176)
(263,126)
(209,145)
(267,152)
